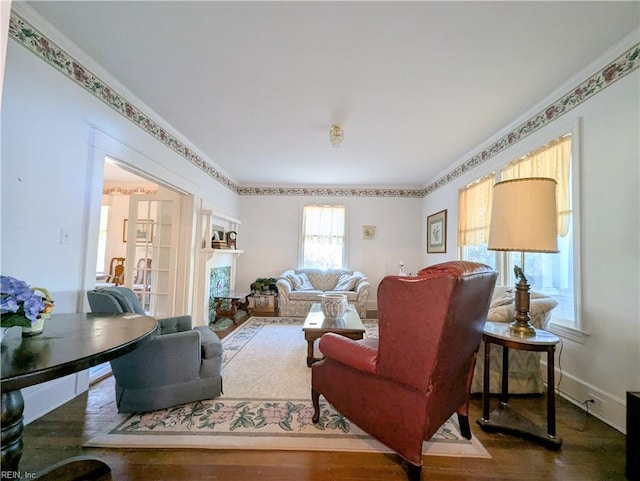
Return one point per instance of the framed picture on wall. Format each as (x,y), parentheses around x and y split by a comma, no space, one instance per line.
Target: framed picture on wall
(144,231)
(437,233)
(218,236)
(369,232)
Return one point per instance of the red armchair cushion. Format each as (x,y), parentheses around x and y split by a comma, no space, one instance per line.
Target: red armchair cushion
(361,355)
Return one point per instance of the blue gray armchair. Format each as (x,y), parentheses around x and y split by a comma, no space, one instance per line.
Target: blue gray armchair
(179,365)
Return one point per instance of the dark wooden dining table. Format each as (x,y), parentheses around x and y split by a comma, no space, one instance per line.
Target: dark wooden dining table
(69,343)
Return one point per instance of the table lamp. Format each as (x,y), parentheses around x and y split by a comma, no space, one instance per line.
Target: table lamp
(523,218)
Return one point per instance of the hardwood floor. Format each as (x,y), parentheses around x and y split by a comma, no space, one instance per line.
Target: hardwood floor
(592,451)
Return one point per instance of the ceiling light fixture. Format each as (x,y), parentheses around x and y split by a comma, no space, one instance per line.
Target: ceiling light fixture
(336,135)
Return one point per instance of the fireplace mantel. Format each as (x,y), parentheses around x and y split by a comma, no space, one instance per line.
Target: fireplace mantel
(222,251)
(209,258)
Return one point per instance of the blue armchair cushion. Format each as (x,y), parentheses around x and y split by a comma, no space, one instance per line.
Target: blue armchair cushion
(126,298)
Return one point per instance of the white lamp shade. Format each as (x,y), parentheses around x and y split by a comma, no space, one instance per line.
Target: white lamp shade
(524,216)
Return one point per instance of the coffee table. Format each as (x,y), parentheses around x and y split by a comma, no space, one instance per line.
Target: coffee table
(234,303)
(315,325)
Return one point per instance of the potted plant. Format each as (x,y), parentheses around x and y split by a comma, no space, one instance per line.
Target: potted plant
(21,305)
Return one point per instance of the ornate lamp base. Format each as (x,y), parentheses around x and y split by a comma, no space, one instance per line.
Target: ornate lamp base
(521,329)
(520,326)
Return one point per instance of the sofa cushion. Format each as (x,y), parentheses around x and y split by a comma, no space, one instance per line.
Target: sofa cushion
(309,295)
(346,283)
(300,282)
(352,296)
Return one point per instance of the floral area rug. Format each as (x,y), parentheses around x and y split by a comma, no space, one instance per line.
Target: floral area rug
(266,405)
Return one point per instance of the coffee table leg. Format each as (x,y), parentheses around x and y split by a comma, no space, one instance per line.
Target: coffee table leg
(310,358)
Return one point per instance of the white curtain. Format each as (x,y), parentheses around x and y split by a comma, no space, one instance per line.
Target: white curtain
(323,236)
(324,224)
(554,161)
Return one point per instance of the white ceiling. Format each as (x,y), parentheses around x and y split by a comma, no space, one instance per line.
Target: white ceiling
(114,175)
(255,86)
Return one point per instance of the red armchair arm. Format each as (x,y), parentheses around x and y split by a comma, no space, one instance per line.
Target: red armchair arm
(361,355)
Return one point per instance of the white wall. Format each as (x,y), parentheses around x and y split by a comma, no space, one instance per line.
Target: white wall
(607,361)
(54,136)
(47,164)
(271,226)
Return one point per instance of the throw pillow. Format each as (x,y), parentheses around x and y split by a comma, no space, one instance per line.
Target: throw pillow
(292,278)
(346,283)
(300,282)
(305,284)
(507,297)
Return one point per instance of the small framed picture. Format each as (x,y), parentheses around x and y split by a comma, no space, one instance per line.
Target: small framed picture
(144,231)
(218,235)
(369,232)
(437,233)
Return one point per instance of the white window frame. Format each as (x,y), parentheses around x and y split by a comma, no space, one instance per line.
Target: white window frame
(567,328)
(301,255)
(101,258)
(575,330)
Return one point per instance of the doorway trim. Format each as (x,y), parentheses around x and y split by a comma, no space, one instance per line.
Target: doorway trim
(102,146)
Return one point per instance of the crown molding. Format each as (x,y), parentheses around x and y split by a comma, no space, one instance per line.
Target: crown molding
(27,35)
(108,91)
(567,97)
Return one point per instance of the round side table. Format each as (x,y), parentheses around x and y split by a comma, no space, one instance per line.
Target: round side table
(504,418)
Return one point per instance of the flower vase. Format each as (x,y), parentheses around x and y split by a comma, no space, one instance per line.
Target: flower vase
(36,328)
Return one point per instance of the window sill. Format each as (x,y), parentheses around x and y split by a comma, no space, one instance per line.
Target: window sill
(567,332)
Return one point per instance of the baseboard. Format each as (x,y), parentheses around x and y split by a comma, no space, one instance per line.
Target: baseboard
(99,372)
(607,408)
(43,398)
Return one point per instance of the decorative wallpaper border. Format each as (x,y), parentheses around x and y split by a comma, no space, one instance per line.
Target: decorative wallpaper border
(332,192)
(623,65)
(108,190)
(29,37)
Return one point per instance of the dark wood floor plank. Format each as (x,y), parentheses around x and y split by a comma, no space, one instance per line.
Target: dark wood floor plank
(592,451)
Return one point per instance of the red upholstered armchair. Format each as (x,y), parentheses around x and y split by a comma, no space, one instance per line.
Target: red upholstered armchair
(401,387)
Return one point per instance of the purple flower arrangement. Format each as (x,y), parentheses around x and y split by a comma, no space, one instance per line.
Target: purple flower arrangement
(21,305)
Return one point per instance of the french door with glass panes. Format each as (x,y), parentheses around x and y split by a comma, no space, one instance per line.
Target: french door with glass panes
(152,245)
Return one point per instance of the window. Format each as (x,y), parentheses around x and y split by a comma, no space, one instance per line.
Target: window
(474,217)
(323,236)
(551,274)
(102,239)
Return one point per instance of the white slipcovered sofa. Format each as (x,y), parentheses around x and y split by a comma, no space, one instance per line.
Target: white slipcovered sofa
(524,366)
(299,288)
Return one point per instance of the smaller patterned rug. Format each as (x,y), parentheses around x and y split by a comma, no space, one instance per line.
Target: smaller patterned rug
(266,405)
(221,325)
